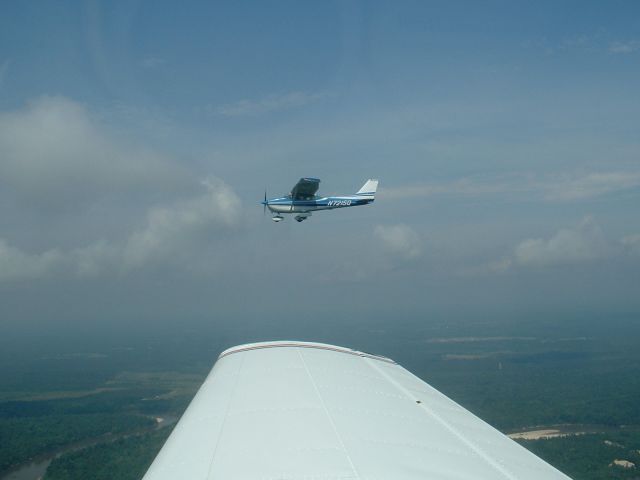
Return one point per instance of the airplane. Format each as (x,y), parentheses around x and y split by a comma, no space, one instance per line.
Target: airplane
(303,200)
(301,410)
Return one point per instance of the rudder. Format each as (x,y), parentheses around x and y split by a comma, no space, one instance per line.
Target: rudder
(369,188)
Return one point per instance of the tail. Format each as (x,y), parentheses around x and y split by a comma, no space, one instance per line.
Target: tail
(368,190)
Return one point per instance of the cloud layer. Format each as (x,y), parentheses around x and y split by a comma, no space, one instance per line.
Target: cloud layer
(178,235)
(583,244)
(18,265)
(625,47)
(555,188)
(53,154)
(119,207)
(399,240)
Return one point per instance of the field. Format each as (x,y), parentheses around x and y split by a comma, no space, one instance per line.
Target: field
(95,404)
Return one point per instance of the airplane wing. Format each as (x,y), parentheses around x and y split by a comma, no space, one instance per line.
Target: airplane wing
(305,188)
(296,410)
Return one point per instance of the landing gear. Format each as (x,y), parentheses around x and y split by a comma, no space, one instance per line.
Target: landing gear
(300,217)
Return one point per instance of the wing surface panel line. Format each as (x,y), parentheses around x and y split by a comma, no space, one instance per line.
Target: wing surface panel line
(226,414)
(445,424)
(326,410)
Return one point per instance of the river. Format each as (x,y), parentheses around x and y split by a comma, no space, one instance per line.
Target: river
(37,467)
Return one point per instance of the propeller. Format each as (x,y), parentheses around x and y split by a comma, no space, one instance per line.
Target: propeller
(264,204)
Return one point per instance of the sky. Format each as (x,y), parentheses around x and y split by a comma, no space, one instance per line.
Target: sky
(137,139)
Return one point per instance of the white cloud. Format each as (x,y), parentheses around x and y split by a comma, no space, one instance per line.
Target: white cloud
(92,260)
(568,246)
(400,240)
(625,47)
(54,154)
(95,259)
(596,43)
(270,103)
(65,170)
(179,235)
(576,42)
(173,232)
(589,185)
(18,265)
(152,62)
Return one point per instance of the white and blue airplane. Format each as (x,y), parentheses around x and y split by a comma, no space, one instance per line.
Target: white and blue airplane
(303,199)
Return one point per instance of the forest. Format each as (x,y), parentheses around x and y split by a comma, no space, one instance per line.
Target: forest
(514,375)
(22,438)
(124,459)
(590,457)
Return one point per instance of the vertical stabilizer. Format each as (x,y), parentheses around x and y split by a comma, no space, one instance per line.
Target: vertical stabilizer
(369,188)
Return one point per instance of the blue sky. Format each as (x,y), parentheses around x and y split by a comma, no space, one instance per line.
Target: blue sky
(136,139)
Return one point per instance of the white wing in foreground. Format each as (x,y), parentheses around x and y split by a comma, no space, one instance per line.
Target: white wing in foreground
(303,411)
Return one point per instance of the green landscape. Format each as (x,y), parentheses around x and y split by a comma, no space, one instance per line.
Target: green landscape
(103,410)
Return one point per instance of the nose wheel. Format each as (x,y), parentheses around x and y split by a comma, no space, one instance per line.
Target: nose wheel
(277,218)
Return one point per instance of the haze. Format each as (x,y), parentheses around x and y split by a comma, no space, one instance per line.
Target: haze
(137,139)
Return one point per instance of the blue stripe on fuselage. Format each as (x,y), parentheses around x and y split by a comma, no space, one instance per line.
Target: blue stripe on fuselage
(327,202)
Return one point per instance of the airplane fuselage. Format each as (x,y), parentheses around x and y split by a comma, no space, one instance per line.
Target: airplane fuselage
(287,205)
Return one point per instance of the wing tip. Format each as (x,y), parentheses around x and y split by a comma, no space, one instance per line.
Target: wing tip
(298,344)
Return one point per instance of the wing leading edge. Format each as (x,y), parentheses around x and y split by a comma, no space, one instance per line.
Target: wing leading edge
(299,410)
